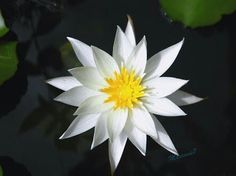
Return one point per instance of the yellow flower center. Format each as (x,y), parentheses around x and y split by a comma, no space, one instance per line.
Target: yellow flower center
(124,89)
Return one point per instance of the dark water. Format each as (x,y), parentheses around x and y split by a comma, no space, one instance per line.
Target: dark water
(31,122)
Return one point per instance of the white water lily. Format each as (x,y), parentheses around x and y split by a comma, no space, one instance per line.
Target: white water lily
(119,94)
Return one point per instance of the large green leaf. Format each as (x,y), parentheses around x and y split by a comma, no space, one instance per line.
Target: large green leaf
(197,13)
(3,28)
(8,60)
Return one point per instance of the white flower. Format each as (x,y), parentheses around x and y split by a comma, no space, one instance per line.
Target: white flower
(119,94)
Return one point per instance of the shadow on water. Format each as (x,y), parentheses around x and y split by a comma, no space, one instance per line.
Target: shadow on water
(11,167)
(52,119)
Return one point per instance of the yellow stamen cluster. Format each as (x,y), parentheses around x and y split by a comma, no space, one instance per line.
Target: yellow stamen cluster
(124,89)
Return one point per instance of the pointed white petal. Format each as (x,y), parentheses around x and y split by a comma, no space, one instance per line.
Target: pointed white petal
(89,77)
(164,86)
(161,61)
(121,47)
(138,58)
(136,136)
(94,104)
(80,124)
(83,52)
(163,138)
(75,96)
(64,83)
(182,98)
(141,119)
(105,64)
(115,122)
(129,32)
(162,106)
(100,133)
(116,149)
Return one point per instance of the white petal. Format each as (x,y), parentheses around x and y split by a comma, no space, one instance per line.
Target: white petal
(141,118)
(136,136)
(138,58)
(116,149)
(162,106)
(100,133)
(83,52)
(129,32)
(106,65)
(89,77)
(75,96)
(182,98)
(80,124)
(164,86)
(64,83)
(161,61)
(121,47)
(116,121)
(94,104)
(163,138)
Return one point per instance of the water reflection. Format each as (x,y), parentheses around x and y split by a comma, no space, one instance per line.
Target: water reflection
(34,122)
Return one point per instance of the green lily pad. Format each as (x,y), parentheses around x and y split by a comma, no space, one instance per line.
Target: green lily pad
(1,171)
(198,13)
(3,28)
(8,60)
